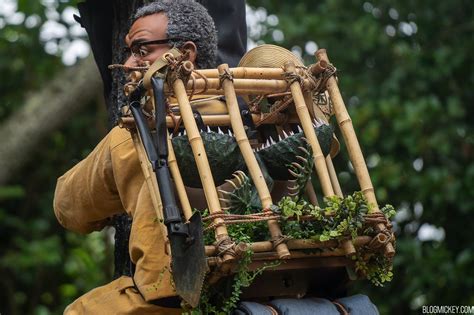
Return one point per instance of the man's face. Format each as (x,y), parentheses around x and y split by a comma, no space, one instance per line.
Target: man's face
(148,28)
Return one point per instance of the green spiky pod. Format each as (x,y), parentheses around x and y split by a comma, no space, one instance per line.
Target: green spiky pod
(279,155)
(222,152)
(244,198)
(301,170)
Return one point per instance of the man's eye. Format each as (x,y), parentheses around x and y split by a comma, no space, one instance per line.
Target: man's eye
(142,52)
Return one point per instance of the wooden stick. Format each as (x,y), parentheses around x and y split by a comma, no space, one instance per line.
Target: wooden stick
(310,134)
(209,120)
(333,176)
(242,86)
(249,157)
(149,175)
(295,244)
(248,73)
(178,181)
(200,157)
(353,147)
(309,189)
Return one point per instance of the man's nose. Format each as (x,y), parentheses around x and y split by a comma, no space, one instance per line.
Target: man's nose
(131,62)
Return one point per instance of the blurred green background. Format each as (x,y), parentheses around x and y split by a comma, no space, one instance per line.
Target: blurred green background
(405,70)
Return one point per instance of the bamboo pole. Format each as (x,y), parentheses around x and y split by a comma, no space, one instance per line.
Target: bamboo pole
(333,176)
(200,157)
(178,181)
(249,157)
(247,73)
(308,129)
(241,86)
(209,120)
(149,175)
(296,244)
(310,134)
(353,147)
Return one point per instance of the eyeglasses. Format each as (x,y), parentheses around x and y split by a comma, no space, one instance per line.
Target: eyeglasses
(138,50)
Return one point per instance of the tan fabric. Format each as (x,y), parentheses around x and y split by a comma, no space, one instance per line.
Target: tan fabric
(116,298)
(110,181)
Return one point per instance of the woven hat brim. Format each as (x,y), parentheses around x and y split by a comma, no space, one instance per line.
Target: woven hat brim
(269,56)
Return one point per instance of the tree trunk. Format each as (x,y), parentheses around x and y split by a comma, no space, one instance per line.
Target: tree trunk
(45,111)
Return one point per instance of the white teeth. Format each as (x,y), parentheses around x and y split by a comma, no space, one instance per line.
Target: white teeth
(170,136)
(272,141)
(267,144)
(284,134)
(184,132)
(180,134)
(279,138)
(208,129)
(230,133)
(299,129)
(291,133)
(219,131)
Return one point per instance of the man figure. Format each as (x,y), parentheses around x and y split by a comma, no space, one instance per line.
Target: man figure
(110,180)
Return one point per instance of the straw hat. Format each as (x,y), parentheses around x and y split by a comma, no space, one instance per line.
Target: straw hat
(272,56)
(268,56)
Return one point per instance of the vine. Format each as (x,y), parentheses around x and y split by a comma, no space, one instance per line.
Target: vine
(340,218)
(242,279)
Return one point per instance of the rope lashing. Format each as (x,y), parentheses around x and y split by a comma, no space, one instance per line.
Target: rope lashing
(226,75)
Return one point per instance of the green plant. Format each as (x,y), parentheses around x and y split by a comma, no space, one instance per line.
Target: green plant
(242,279)
(339,219)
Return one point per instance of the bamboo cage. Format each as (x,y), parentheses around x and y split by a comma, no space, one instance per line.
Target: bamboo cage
(292,86)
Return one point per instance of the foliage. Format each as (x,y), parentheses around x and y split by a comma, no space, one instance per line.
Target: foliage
(341,217)
(404,70)
(213,302)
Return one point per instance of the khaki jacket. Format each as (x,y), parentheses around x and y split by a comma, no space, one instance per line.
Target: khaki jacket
(110,181)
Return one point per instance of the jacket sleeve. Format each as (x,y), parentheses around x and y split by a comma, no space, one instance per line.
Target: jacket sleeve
(87,194)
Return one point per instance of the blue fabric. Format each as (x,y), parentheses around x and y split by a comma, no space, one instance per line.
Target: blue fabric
(309,306)
(252,308)
(355,305)
(358,305)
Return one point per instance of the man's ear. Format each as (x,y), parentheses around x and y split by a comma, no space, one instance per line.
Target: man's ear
(192,49)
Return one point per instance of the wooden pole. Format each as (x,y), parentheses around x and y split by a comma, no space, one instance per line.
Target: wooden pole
(200,157)
(178,181)
(149,175)
(249,157)
(333,176)
(353,147)
(310,134)
(241,86)
(209,120)
(296,244)
(246,73)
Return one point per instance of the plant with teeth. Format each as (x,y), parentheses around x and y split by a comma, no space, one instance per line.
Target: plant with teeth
(301,170)
(288,159)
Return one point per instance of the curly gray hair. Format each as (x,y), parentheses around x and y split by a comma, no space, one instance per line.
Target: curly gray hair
(187,21)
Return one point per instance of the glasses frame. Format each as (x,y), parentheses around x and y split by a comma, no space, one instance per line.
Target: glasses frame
(134,50)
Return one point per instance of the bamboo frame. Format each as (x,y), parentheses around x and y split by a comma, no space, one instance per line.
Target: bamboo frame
(249,157)
(246,73)
(210,120)
(307,126)
(242,86)
(200,157)
(295,244)
(353,147)
(310,134)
